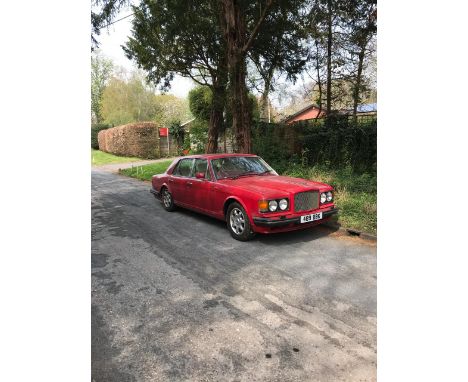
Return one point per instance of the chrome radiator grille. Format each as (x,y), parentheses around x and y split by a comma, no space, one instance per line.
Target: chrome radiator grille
(304,201)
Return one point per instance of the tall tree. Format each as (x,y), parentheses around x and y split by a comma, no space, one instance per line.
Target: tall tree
(240,34)
(183,37)
(279,48)
(101,71)
(126,101)
(327,19)
(363,26)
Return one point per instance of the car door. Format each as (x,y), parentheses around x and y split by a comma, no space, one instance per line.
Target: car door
(180,179)
(199,188)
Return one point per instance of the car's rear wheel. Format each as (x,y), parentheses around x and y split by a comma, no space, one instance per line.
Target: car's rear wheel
(167,201)
(238,223)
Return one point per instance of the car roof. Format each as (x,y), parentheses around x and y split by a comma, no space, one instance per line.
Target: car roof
(216,156)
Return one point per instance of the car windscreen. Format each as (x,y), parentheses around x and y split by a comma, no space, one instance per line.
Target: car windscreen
(233,167)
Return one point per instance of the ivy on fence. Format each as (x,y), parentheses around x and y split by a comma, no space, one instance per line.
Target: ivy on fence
(336,142)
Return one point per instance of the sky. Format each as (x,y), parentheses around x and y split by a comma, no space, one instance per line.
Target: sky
(110,41)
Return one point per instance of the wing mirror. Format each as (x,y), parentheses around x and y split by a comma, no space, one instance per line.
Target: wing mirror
(200,175)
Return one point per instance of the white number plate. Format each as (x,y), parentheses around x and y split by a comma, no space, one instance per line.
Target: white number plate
(311,217)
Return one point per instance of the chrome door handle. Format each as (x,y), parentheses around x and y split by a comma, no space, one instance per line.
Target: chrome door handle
(189,183)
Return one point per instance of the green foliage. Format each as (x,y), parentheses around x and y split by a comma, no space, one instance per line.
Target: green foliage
(95,129)
(198,136)
(128,101)
(336,142)
(101,71)
(200,102)
(178,132)
(132,100)
(177,37)
(145,172)
(170,108)
(355,194)
(254,108)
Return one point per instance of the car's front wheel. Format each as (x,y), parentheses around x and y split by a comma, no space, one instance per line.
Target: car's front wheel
(238,223)
(167,201)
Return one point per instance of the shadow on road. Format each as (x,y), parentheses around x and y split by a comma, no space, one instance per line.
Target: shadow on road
(277,238)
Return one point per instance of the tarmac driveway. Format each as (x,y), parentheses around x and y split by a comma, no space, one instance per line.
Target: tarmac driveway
(175,298)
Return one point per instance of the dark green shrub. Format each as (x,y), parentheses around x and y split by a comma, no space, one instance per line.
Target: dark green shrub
(95,129)
(336,142)
(198,136)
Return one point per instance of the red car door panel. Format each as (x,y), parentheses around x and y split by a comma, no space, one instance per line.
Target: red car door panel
(180,180)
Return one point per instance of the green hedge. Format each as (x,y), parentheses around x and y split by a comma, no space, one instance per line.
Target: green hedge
(95,129)
(336,142)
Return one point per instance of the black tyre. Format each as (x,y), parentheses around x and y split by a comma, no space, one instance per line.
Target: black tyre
(238,223)
(166,200)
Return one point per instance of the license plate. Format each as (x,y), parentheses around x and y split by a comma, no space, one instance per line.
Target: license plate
(311,217)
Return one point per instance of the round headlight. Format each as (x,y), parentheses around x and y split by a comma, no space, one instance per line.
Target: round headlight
(323,197)
(329,196)
(273,205)
(283,204)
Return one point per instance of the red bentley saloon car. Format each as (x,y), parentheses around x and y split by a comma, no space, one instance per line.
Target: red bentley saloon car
(244,191)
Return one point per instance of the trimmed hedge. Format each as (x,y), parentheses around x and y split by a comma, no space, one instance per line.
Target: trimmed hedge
(333,142)
(139,139)
(95,129)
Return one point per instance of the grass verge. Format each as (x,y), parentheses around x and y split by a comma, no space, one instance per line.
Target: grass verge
(145,172)
(355,194)
(99,158)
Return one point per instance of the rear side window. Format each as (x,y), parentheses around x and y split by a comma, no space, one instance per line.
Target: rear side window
(184,168)
(201,165)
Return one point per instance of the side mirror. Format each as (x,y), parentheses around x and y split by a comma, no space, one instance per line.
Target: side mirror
(200,175)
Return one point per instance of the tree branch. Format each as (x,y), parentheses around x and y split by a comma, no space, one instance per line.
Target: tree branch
(254,34)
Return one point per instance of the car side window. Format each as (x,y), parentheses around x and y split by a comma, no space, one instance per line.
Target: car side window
(201,165)
(184,168)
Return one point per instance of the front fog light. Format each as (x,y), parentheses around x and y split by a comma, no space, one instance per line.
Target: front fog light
(273,205)
(329,196)
(283,204)
(263,206)
(323,197)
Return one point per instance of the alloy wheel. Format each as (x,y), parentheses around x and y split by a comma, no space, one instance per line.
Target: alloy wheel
(167,200)
(237,221)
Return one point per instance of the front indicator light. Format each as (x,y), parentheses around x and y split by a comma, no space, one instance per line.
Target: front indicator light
(263,206)
(283,204)
(273,205)
(323,197)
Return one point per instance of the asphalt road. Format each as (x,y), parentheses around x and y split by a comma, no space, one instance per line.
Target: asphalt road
(175,298)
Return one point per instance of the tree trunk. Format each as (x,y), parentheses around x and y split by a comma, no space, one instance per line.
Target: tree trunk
(240,108)
(264,102)
(235,34)
(238,44)
(319,83)
(329,56)
(357,87)
(216,118)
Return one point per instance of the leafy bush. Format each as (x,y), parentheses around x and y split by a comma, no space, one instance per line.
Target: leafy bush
(95,129)
(178,132)
(200,102)
(336,142)
(198,136)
